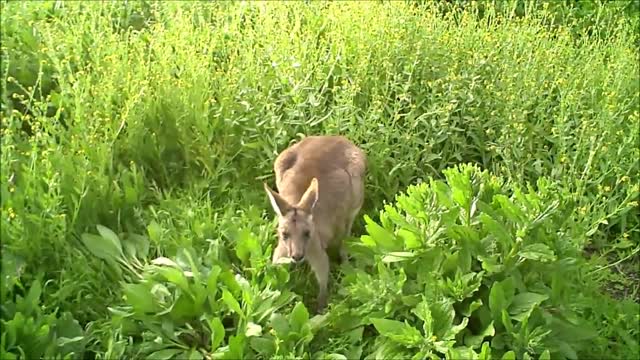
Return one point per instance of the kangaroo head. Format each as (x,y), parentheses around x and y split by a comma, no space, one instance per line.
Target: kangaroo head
(295,221)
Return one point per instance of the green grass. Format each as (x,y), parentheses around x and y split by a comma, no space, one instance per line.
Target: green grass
(162,119)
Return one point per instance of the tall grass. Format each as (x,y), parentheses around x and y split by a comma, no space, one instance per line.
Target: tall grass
(164,118)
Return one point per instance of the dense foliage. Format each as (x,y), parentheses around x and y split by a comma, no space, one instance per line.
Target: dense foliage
(501,218)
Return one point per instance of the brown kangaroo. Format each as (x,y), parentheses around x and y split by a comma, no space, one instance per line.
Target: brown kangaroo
(321,190)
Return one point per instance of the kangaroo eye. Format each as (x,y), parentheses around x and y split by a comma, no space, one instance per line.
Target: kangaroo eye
(285,235)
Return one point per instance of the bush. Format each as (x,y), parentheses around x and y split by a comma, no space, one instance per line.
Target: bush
(470,268)
(463,268)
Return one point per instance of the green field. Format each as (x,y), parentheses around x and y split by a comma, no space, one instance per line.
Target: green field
(501,213)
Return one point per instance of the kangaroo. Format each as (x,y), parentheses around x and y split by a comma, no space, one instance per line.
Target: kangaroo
(321,190)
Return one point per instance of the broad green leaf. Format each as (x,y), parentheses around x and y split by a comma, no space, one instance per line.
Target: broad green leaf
(141,244)
(280,324)
(490,264)
(397,256)
(299,317)
(366,240)
(497,300)
(184,308)
(485,351)
(454,330)
(318,321)
(31,303)
(423,312)
(450,264)
(355,351)
(108,234)
(572,332)
(410,239)
(129,249)
(232,303)
(497,229)
(506,321)
(537,252)
(212,281)
(138,296)
(246,245)
(511,211)
(217,333)
(229,280)
(461,189)
(7,355)
(443,192)
(461,352)
(384,239)
(443,314)
(102,247)
(473,306)
(194,354)
(509,355)
(546,355)
(397,331)
(475,340)
(524,302)
(174,276)
(236,346)
(263,346)
(567,350)
(462,234)
(185,258)
(165,354)
(155,232)
(71,336)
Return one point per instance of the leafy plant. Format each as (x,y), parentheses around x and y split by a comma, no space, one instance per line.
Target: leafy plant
(476,269)
(31,332)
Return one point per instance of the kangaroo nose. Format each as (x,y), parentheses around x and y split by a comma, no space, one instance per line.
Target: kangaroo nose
(297,257)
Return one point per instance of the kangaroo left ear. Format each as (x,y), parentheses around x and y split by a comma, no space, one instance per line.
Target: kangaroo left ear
(310,198)
(280,205)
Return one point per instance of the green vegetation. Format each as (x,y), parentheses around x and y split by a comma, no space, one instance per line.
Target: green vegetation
(501,218)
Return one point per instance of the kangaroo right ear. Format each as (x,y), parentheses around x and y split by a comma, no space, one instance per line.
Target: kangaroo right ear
(280,205)
(310,197)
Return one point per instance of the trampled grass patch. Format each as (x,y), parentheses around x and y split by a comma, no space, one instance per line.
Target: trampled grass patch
(136,137)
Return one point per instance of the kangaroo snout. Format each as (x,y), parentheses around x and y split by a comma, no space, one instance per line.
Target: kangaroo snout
(297,257)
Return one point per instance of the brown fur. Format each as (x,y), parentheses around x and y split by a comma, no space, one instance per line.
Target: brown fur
(321,190)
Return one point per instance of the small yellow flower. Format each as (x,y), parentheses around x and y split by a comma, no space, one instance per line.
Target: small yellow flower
(12,189)
(607,188)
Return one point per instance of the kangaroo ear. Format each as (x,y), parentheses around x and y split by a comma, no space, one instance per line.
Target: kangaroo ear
(310,197)
(280,205)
